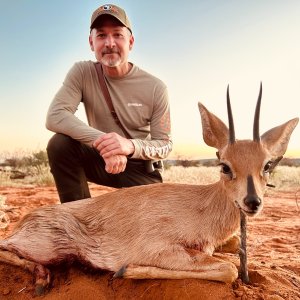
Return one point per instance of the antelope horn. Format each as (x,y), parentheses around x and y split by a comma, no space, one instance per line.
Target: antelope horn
(256,136)
(230,120)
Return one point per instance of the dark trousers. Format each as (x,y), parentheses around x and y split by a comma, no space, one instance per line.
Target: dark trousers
(73,164)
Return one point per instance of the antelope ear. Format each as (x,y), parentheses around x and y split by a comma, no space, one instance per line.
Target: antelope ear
(276,139)
(215,132)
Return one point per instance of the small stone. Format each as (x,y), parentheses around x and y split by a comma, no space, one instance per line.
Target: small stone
(235,285)
(6,291)
(242,289)
(238,293)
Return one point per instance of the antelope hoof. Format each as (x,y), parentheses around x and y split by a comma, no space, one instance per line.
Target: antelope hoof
(39,290)
(227,272)
(232,274)
(120,273)
(41,287)
(42,281)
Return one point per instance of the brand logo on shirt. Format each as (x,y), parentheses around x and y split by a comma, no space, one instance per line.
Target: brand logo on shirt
(134,104)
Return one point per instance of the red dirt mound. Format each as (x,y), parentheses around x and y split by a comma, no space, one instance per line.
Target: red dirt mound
(273,257)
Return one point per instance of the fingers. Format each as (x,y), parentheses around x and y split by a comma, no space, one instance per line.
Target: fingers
(104,140)
(108,144)
(115,164)
(114,148)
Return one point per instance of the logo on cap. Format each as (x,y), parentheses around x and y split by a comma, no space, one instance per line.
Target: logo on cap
(106,7)
(109,7)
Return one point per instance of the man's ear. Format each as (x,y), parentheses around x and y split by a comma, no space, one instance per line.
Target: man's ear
(131,42)
(91,42)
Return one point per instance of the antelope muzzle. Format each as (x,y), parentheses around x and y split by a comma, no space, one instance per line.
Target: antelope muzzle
(252,202)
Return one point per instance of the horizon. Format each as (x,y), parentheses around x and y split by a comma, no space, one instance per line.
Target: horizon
(180,152)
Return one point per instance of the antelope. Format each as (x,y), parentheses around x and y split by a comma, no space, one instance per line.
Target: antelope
(165,230)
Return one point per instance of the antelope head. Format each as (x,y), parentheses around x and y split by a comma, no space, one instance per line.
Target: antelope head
(245,164)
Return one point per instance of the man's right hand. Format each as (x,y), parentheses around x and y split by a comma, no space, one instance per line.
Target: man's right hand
(110,144)
(115,164)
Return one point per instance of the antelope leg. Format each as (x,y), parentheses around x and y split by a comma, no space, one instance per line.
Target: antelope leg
(230,246)
(224,272)
(42,274)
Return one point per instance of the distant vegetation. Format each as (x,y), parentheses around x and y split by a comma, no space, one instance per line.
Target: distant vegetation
(30,168)
(33,169)
(291,162)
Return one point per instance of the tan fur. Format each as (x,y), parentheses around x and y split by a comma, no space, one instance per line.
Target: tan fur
(156,231)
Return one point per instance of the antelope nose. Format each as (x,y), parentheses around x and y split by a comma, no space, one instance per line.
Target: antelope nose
(252,202)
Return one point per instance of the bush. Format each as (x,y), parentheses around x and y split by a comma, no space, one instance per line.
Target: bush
(34,167)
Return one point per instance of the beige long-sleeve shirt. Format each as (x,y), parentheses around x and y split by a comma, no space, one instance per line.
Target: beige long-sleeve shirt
(140,101)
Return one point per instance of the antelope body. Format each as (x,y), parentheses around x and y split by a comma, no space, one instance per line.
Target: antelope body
(162,230)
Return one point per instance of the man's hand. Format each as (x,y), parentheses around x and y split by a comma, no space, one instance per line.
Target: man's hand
(111,144)
(115,164)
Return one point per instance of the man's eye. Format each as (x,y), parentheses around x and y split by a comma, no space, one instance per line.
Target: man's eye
(101,35)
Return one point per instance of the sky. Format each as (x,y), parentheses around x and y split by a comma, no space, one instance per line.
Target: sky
(196,47)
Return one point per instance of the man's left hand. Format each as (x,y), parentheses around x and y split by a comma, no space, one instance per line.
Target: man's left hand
(115,164)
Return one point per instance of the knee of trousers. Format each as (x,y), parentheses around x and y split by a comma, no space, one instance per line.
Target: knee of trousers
(61,145)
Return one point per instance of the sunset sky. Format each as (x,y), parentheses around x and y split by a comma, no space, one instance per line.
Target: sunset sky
(196,47)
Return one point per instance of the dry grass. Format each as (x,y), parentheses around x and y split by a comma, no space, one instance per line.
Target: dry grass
(284,177)
(192,175)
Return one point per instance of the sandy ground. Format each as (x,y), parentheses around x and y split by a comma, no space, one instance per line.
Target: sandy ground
(273,257)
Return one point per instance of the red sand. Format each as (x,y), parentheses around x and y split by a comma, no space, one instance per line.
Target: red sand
(273,258)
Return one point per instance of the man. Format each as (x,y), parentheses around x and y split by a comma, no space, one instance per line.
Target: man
(103,152)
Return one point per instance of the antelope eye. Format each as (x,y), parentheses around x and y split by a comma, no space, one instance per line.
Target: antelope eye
(225,169)
(267,167)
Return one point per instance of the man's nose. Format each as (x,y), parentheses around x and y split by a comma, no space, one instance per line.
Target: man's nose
(110,41)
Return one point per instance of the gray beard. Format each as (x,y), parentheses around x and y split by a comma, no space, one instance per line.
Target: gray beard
(111,62)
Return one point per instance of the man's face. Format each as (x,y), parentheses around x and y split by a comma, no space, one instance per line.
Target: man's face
(111,43)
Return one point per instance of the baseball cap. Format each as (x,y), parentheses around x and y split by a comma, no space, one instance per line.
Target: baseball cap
(113,10)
